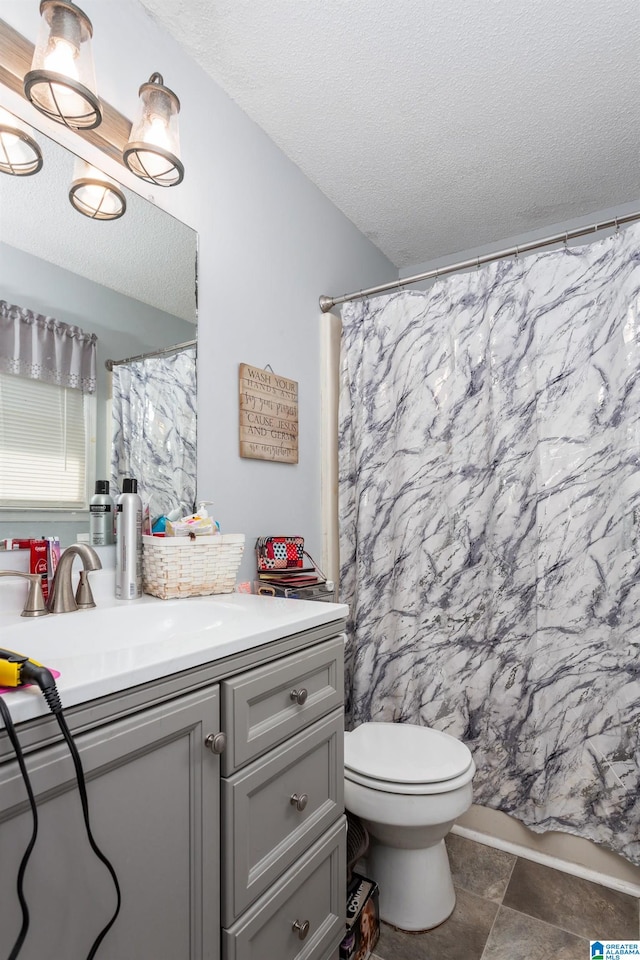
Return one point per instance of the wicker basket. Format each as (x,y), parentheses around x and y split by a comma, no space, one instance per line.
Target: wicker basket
(180,567)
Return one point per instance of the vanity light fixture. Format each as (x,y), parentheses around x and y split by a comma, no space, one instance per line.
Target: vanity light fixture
(94,194)
(20,155)
(61,83)
(153,150)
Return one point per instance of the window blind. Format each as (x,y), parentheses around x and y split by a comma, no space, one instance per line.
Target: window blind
(44,445)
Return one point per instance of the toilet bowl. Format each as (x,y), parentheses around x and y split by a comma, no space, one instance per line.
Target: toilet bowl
(408,784)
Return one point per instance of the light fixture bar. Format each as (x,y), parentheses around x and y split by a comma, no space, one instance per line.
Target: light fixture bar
(16,55)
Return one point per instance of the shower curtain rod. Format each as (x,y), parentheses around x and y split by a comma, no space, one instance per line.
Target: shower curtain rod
(110,364)
(326,303)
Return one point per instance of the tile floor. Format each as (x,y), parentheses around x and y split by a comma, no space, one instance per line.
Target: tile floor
(508,908)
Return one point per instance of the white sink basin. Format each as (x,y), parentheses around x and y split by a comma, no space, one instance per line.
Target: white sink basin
(125,626)
(120,644)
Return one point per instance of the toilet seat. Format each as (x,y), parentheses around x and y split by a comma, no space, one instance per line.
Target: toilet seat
(412,789)
(405,758)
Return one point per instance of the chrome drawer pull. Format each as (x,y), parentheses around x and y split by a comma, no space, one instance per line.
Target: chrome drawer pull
(299,696)
(302,928)
(216,742)
(299,801)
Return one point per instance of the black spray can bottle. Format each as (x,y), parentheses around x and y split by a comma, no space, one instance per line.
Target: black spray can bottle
(129,537)
(101,516)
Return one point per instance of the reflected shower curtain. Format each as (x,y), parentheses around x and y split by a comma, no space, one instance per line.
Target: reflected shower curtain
(490,527)
(154,430)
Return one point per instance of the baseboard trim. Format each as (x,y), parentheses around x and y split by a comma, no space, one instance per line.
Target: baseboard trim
(566,866)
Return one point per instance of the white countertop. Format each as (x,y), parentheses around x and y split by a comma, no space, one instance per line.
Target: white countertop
(122,643)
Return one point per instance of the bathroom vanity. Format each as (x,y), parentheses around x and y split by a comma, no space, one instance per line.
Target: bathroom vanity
(211,734)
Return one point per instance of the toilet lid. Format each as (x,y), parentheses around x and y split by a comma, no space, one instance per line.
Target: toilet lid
(405,753)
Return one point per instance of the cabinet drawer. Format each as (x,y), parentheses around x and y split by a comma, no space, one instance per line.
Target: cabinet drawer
(260,709)
(264,831)
(313,891)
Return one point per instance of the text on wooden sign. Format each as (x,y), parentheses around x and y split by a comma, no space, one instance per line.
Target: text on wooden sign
(268,415)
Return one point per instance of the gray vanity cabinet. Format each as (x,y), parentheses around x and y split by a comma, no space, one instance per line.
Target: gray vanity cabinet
(154,796)
(238,855)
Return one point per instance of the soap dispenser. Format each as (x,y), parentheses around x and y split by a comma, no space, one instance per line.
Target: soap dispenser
(214,526)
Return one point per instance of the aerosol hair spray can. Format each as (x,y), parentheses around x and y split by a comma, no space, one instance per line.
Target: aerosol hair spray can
(129,542)
(101,515)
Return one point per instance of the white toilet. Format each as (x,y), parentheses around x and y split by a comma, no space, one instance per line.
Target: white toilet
(408,784)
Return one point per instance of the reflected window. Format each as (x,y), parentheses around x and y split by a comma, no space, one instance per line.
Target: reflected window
(47,447)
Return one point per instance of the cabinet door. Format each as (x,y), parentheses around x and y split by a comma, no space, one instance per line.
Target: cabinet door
(153,792)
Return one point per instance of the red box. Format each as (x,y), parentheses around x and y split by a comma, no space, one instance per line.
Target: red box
(13,544)
(363,919)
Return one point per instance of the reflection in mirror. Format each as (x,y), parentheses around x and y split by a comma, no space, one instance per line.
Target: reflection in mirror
(131,282)
(154,429)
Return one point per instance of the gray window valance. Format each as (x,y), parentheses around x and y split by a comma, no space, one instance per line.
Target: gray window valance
(42,348)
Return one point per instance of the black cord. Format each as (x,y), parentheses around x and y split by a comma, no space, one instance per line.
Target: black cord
(15,743)
(44,678)
(62,723)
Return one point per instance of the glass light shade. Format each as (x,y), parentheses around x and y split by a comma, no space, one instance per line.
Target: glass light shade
(153,150)
(94,194)
(20,155)
(61,83)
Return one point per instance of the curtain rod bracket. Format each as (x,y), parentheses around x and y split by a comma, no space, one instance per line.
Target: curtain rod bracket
(325,304)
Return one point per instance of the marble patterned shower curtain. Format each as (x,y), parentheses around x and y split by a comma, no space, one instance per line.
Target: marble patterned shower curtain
(154,430)
(490,527)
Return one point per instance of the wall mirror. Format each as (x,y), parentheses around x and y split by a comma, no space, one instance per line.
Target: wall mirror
(131,281)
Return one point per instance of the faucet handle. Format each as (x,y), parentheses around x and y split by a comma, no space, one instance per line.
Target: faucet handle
(84,596)
(35,605)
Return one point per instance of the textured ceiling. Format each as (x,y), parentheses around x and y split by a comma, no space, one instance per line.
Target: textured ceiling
(435,125)
(147,254)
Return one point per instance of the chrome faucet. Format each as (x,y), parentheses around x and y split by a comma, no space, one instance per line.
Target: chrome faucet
(34,606)
(61,598)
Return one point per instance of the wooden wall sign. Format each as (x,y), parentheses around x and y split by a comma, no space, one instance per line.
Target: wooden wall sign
(268,415)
